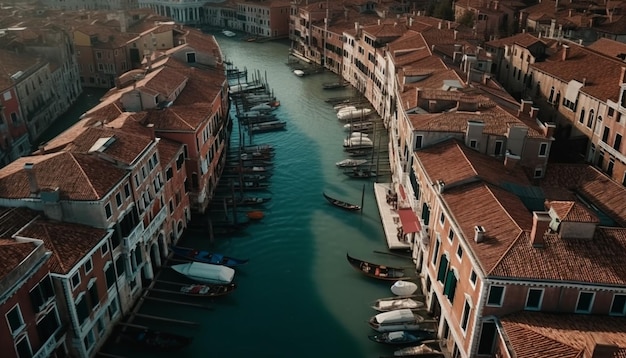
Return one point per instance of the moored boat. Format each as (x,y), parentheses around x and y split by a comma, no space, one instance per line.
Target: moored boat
(394,303)
(255,215)
(267,126)
(244,200)
(197,290)
(381,272)
(342,204)
(358,143)
(395,337)
(403,288)
(353,114)
(206,256)
(397,320)
(359,126)
(298,73)
(153,340)
(422,350)
(205,273)
(350,162)
(360,173)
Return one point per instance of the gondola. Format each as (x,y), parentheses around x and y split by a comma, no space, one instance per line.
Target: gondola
(395,338)
(153,340)
(243,201)
(360,173)
(207,257)
(342,204)
(380,272)
(199,290)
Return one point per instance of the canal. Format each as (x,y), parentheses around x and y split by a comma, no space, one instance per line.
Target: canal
(298,296)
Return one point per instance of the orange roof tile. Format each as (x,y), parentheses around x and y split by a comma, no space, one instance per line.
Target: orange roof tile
(572,211)
(69,243)
(562,335)
(13,253)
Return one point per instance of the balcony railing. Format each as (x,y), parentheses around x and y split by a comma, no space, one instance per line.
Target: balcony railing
(132,238)
(155,225)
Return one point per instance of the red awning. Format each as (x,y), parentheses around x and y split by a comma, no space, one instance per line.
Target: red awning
(402,193)
(409,221)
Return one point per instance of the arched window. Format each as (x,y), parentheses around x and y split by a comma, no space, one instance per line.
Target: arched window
(558,99)
(582,116)
(590,119)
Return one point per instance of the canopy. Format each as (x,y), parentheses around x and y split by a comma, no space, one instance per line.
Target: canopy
(409,221)
(397,316)
(403,288)
(206,272)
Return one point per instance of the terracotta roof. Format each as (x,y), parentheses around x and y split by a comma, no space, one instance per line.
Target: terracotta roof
(168,150)
(385,30)
(523,39)
(599,73)
(562,335)
(69,243)
(572,211)
(13,219)
(126,147)
(616,27)
(12,63)
(77,176)
(13,253)
(594,261)
(609,47)
(563,181)
(472,194)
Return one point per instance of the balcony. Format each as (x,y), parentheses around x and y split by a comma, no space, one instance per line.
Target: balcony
(132,239)
(611,151)
(155,225)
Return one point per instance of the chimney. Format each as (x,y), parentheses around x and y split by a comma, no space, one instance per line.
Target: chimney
(378,21)
(510,160)
(541,223)
(495,5)
(570,12)
(449,25)
(479,234)
(565,52)
(152,132)
(410,21)
(29,168)
(440,186)
(548,129)
(622,77)
(604,350)
(456,34)
(534,111)
(524,107)
(440,25)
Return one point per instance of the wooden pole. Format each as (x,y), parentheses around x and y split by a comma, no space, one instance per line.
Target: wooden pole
(362,198)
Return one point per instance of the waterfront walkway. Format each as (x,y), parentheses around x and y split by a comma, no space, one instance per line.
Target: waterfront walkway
(390,218)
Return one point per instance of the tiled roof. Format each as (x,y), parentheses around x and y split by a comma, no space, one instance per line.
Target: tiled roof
(562,335)
(472,194)
(562,181)
(600,73)
(77,176)
(616,27)
(14,219)
(13,253)
(572,211)
(168,150)
(126,147)
(11,63)
(609,47)
(524,39)
(69,243)
(597,260)
(385,30)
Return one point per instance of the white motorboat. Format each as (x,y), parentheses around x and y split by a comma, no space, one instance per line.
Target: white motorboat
(395,303)
(229,33)
(358,134)
(298,73)
(354,114)
(351,162)
(206,273)
(397,320)
(358,143)
(403,288)
(359,126)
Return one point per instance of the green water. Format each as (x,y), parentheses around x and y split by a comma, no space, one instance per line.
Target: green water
(298,296)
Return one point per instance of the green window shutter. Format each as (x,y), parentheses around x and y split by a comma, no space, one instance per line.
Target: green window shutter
(443,268)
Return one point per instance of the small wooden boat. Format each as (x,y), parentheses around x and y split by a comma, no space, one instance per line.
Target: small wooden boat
(422,350)
(398,320)
(342,204)
(267,126)
(359,152)
(255,215)
(360,173)
(206,273)
(359,126)
(333,85)
(208,290)
(243,201)
(153,340)
(395,303)
(395,337)
(350,162)
(354,143)
(239,168)
(206,256)
(377,271)
(354,114)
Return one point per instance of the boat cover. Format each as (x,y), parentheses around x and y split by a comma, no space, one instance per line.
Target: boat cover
(402,303)
(396,336)
(403,288)
(397,316)
(206,272)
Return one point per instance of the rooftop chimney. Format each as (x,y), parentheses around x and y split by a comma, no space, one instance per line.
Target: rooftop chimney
(548,129)
(541,223)
(565,52)
(604,350)
(152,132)
(510,160)
(29,168)
(622,77)
(440,25)
(479,233)
(534,111)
